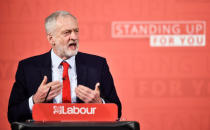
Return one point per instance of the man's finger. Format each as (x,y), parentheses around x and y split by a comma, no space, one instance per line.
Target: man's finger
(56,86)
(88,90)
(83,92)
(53,94)
(97,87)
(50,84)
(80,96)
(44,81)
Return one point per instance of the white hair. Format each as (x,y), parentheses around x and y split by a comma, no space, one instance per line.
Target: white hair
(50,21)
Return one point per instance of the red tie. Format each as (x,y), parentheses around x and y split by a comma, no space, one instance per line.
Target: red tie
(66,92)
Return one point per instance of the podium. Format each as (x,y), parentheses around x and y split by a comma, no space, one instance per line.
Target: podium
(117,125)
(75,117)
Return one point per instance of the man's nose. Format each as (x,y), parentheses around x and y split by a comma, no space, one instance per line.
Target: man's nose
(74,35)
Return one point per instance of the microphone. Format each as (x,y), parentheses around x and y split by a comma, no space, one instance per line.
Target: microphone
(47,94)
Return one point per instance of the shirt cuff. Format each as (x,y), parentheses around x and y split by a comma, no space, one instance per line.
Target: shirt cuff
(30,102)
(103,101)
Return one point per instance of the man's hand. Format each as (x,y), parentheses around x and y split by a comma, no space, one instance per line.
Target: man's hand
(88,95)
(43,89)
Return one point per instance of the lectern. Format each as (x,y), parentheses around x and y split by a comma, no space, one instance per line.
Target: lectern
(75,117)
(118,125)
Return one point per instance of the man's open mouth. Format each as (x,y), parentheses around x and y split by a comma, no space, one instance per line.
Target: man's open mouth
(73,45)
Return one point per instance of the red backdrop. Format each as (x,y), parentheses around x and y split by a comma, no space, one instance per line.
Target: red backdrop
(161,87)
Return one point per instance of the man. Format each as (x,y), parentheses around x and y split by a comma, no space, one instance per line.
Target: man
(62,75)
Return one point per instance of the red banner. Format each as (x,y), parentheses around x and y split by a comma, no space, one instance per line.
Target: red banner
(74,112)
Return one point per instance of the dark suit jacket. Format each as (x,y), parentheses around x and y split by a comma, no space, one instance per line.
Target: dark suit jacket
(90,70)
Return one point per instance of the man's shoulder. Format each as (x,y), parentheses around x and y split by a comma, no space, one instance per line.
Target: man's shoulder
(36,59)
(90,57)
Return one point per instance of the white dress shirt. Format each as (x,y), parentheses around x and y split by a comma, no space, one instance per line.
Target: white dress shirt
(57,74)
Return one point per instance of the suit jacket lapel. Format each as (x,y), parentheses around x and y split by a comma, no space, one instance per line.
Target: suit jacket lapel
(81,70)
(46,67)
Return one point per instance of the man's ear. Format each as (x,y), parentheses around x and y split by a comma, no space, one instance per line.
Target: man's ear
(50,39)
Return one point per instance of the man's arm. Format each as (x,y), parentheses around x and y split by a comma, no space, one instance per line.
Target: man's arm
(108,91)
(18,107)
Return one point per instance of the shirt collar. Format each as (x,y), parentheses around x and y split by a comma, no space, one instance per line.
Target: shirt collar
(56,60)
